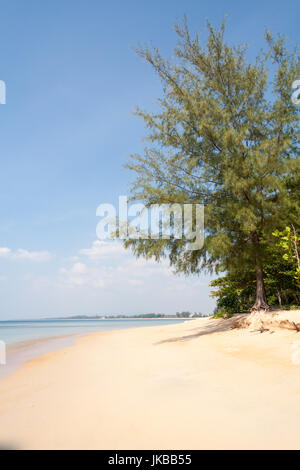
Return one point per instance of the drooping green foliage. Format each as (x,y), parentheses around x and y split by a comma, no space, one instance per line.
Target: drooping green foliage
(235,293)
(225,135)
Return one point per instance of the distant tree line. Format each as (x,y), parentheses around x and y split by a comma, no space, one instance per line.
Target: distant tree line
(184,314)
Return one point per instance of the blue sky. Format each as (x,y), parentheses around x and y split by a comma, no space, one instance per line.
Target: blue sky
(67,128)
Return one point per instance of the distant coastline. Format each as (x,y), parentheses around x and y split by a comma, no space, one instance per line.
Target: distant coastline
(143,316)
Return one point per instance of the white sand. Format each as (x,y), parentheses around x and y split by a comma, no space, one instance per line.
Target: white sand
(194,385)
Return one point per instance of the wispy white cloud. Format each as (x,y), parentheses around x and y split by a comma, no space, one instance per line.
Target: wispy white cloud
(109,265)
(101,249)
(22,254)
(4,252)
(81,275)
(105,278)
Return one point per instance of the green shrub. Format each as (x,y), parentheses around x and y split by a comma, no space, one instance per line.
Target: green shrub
(222,314)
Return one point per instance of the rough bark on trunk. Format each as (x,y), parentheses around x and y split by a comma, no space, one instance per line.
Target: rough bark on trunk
(261,302)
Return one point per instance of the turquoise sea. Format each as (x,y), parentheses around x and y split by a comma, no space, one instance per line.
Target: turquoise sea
(28,339)
(12,332)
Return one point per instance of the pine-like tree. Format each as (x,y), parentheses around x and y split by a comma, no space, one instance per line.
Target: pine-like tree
(226,135)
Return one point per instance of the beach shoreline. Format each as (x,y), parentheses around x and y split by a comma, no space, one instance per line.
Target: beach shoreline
(194,385)
(19,352)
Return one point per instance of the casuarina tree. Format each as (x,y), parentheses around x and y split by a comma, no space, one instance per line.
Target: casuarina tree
(225,134)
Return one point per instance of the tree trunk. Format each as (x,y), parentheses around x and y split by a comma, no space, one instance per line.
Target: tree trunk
(279,296)
(261,298)
(261,302)
(295,241)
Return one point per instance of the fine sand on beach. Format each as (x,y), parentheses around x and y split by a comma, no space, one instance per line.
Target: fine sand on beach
(194,385)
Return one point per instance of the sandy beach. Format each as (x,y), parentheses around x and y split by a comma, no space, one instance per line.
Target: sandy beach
(194,385)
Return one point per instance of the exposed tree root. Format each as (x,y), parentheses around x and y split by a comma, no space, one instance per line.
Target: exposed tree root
(262,321)
(260,305)
(261,330)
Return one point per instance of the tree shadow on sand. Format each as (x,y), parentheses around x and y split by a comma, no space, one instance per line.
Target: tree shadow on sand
(214,326)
